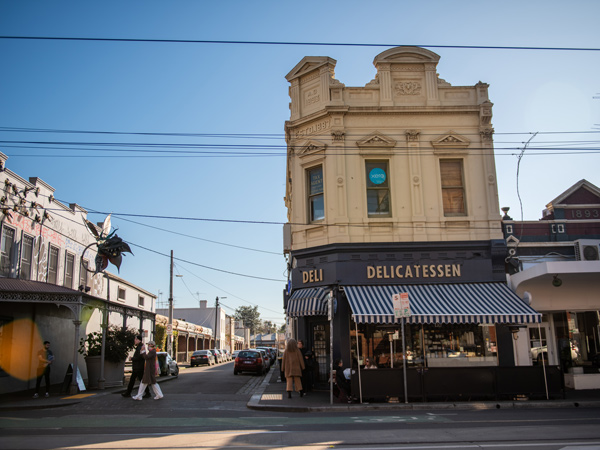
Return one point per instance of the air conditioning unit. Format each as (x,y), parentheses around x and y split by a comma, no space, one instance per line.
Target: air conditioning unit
(587,249)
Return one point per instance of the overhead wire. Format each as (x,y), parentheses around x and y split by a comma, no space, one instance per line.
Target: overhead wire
(291,43)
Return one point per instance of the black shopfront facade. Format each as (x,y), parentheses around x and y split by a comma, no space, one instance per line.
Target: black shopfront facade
(458,341)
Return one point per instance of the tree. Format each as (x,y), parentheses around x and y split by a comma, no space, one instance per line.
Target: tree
(250,316)
(268,327)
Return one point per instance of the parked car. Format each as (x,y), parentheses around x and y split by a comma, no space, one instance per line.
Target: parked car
(250,361)
(271,353)
(202,357)
(167,365)
(266,358)
(226,354)
(217,354)
(234,354)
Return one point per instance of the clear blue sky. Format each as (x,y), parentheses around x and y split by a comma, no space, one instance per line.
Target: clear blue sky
(145,87)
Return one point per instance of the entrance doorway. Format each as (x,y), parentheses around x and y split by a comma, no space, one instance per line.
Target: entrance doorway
(541,350)
(320,344)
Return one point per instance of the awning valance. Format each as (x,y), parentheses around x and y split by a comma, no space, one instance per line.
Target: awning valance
(441,303)
(308,302)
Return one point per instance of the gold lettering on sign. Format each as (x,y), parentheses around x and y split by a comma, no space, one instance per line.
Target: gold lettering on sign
(412,271)
(312,276)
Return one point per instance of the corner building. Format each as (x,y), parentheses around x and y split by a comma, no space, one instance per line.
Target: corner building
(391,188)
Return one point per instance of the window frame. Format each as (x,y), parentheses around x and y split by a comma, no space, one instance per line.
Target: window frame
(462,187)
(141,301)
(9,254)
(72,276)
(310,197)
(50,270)
(372,187)
(83,272)
(124,291)
(25,267)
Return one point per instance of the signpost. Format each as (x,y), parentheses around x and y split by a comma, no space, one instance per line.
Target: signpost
(402,311)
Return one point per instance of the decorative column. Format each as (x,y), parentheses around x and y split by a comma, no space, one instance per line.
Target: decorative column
(294,92)
(414,162)
(385,85)
(431,85)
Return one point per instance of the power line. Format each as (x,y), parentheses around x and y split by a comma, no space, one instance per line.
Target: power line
(282,43)
(207,267)
(229,293)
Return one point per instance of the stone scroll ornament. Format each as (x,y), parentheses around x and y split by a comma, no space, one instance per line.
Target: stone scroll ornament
(110,246)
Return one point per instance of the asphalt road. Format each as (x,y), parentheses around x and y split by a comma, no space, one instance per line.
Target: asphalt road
(205,407)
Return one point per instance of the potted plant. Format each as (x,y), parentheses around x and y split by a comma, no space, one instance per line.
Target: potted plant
(118,344)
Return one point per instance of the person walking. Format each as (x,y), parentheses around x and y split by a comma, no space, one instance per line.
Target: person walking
(149,377)
(137,368)
(45,358)
(292,365)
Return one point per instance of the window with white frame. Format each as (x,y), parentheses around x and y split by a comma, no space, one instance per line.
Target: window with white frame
(83,272)
(140,301)
(378,189)
(69,267)
(121,294)
(52,265)
(6,250)
(453,188)
(26,257)
(316,200)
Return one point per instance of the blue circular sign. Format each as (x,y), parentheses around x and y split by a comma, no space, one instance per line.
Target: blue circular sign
(377,175)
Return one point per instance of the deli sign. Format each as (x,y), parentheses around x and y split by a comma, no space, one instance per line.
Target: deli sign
(312,276)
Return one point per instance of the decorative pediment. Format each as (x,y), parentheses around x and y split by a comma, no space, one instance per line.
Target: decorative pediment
(581,193)
(311,147)
(406,55)
(452,141)
(309,64)
(376,140)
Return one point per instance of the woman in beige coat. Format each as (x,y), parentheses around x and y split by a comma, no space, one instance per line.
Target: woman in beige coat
(149,377)
(292,365)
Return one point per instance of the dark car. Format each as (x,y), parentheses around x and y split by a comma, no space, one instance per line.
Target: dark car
(249,361)
(167,365)
(202,357)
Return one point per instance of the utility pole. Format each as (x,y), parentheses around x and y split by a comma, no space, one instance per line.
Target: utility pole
(170,324)
(216,321)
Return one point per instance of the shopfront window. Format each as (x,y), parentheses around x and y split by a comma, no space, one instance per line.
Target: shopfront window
(451,345)
(578,340)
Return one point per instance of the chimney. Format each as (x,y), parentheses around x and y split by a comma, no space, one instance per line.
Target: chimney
(203,304)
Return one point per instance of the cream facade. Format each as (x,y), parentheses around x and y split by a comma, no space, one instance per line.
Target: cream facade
(392,200)
(408,122)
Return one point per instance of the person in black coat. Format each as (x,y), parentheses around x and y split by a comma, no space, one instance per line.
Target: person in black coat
(137,368)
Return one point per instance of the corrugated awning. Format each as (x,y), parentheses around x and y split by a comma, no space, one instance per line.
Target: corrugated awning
(442,303)
(308,302)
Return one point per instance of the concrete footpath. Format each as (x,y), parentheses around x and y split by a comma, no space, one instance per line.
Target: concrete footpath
(270,395)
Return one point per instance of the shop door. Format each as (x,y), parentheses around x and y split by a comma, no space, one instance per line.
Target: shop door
(541,349)
(320,344)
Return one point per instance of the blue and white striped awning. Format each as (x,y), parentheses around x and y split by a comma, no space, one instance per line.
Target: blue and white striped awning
(441,303)
(308,302)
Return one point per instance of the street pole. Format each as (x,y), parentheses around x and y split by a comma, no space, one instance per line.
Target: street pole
(216,321)
(170,336)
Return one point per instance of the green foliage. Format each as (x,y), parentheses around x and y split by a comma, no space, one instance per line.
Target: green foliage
(119,342)
(267,327)
(160,336)
(250,316)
